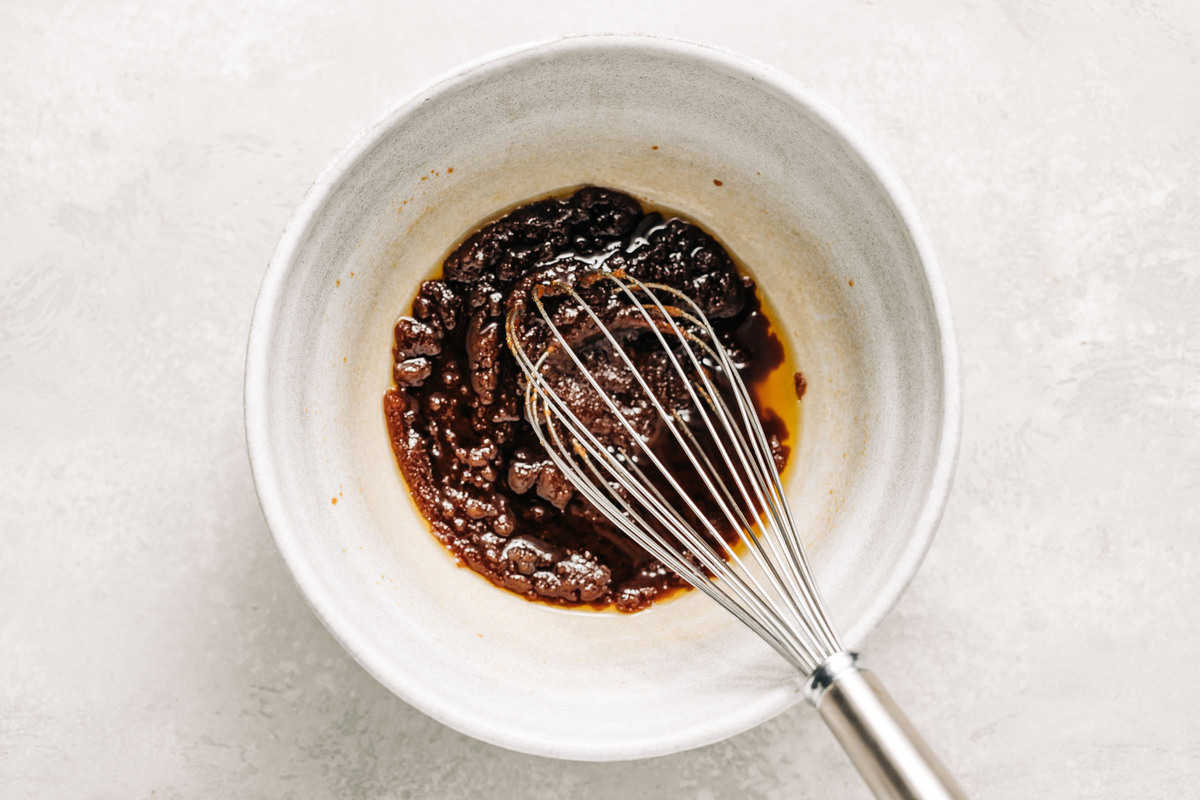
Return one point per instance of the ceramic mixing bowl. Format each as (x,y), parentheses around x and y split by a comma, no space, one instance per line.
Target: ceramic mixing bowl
(801,201)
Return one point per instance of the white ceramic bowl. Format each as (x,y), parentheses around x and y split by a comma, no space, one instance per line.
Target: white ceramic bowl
(803,203)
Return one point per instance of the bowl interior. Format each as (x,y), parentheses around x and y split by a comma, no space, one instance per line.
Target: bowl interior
(797,204)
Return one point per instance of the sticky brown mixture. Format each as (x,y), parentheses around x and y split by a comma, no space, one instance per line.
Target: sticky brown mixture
(474,466)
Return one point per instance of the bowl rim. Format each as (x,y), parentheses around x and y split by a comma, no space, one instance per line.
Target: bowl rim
(356,641)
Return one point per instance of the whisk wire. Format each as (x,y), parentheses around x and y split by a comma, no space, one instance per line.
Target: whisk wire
(641,488)
(779,506)
(784,608)
(764,467)
(734,570)
(634,525)
(694,454)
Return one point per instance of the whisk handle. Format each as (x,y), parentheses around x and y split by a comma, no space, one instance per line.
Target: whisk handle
(885,748)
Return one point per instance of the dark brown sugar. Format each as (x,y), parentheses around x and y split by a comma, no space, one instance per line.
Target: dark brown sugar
(801,384)
(454,415)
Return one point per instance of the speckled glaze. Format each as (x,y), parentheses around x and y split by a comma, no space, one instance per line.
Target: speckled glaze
(835,246)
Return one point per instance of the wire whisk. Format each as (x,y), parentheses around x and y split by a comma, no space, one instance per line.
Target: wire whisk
(640,406)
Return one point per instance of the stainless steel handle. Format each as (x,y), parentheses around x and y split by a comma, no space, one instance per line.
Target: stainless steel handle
(888,752)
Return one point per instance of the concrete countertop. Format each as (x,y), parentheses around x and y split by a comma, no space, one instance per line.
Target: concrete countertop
(152,644)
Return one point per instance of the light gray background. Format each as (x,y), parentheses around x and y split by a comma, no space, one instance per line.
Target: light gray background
(151,641)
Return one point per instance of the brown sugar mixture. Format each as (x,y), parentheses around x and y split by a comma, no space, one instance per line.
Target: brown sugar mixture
(474,465)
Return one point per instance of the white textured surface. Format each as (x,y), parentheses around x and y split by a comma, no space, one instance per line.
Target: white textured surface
(151,641)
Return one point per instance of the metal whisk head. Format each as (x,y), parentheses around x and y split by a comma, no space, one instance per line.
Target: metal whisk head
(638,453)
(639,405)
